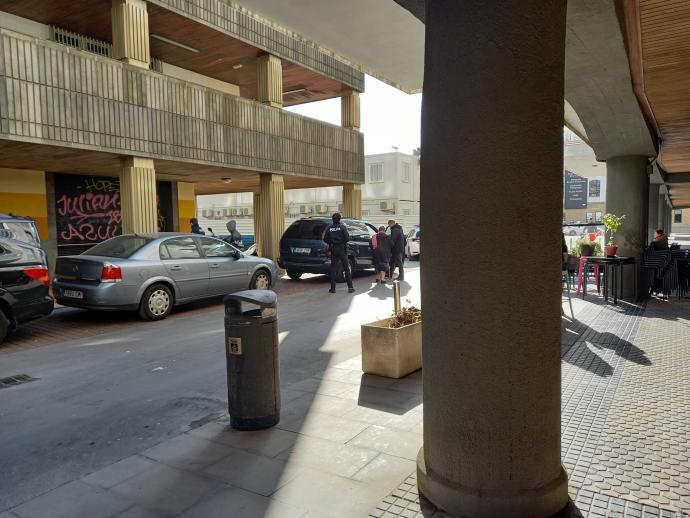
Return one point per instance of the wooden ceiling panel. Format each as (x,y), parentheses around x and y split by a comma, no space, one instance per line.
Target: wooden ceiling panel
(216,56)
(659,44)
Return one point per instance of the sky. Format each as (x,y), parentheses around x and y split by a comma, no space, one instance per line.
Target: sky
(390,118)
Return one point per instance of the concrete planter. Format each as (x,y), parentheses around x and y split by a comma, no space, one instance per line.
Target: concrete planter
(392,353)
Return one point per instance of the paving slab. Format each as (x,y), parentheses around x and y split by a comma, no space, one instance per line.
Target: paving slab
(74,500)
(269,442)
(166,489)
(236,503)
(188,452)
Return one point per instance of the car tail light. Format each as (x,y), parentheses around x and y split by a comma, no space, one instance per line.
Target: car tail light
(111,273)
(40,273)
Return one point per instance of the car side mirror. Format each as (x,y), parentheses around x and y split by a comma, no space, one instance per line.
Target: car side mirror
(237,254)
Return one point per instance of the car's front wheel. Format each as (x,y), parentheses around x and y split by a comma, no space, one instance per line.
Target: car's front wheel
(156,303)
(260,281)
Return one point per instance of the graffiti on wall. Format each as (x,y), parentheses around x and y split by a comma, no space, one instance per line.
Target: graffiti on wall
(87,208)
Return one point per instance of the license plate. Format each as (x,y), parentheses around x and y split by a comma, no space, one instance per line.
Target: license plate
(303,250)
(73,294)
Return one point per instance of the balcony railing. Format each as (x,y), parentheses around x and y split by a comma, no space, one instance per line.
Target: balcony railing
(58,95)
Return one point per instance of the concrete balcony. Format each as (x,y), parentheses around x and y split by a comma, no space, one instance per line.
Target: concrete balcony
(53,95)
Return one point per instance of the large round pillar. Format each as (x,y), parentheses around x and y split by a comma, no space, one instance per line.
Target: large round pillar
(492,161)
(627,192)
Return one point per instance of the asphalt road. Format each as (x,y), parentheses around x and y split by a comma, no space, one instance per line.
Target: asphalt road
(102,398)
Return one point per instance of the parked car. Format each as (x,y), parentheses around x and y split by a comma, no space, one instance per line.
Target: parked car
(414,239)
(24,282)
(303,250)
(151,273)
(20,228)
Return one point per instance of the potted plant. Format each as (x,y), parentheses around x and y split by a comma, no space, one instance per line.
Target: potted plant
(584,247)
(392,347)
(613,224)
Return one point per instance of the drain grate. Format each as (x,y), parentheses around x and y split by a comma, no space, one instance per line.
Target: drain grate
(17,379)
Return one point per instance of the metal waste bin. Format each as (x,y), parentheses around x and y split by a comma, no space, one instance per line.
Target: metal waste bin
(251,352)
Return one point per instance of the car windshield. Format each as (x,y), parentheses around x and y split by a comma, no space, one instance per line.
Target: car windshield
(24,231)
(306,230)
(121,247)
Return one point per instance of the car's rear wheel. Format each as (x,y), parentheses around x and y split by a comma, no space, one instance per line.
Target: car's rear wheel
(261,280)
(294,275)
(4,325)
(156,303)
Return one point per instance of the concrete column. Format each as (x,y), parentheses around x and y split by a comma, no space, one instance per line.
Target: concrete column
(653,211)
(627,192)
(269,77)
(257,224)
(271,214)
(661,211)
(349,109)
(669,219)
(138,195)
(130,21)
(491,356)
(352,200)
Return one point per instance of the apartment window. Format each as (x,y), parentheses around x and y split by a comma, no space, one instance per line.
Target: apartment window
(376,172)
(365,213)
(406,172)
(597,219)
(677,215)
(590,216)
(595,188)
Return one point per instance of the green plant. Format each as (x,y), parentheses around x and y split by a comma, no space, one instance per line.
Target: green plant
(585,241)
(613,224)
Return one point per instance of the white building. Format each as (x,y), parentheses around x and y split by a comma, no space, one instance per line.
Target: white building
(391,191)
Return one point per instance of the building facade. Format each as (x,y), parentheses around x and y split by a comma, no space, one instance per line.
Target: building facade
(115,114)
(390,190)
(584,182)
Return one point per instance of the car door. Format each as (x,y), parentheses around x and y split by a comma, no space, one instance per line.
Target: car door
(360,235)
(227,272)
(183,261)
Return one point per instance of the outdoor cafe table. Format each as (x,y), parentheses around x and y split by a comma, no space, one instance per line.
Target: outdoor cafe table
(612,264)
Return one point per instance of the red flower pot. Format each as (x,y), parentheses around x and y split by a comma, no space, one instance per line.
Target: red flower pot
(611,250)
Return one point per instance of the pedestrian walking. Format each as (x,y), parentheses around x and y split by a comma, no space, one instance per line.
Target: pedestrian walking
(397,238)
(380,244)
(196,228)
(235,236)
(337,237)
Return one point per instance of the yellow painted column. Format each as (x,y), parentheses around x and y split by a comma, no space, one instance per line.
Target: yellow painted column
(186,205)
(257,224)
(23,193)
(271,214)
(130,21)
(138,195)
(269,78)
(349,109)
(352,200)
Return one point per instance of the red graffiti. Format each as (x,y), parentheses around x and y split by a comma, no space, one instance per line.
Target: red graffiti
(89,217)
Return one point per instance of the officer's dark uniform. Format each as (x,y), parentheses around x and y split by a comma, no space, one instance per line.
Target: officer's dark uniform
(337,237)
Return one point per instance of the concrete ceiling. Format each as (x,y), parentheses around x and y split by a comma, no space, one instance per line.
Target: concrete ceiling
(378,36)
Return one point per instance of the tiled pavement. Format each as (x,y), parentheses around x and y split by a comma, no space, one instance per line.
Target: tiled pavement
(346,444)
(626,415)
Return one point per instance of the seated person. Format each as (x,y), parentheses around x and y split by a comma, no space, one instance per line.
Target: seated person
(660,240)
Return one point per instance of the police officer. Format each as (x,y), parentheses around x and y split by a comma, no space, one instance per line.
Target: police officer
(337,237)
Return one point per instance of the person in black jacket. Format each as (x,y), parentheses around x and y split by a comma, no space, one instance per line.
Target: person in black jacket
(398,249)
(196,228)
(337,237)
(380,243)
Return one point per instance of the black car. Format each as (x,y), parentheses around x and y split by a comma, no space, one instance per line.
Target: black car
(24,281)
(303,250)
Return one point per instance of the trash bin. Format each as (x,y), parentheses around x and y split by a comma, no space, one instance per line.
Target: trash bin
(251,352)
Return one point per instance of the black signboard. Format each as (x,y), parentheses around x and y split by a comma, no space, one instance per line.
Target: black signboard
(575,191)
(87,210)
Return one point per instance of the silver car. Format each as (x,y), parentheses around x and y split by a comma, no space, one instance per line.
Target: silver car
(152,273)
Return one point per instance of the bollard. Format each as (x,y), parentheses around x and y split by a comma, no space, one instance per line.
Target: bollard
(396,296)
